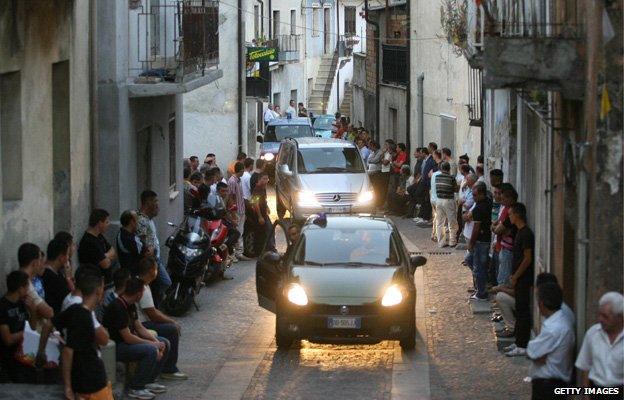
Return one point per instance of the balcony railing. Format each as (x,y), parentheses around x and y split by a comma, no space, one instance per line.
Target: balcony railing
(289,43)
(394,64)
(346,43)
(175,40)
(475,100)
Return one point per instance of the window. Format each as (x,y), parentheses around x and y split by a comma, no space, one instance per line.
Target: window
(393,123)
(276,24)
(293,22)
(11,135)
(173,160)
(329,160)
(277,133)
(349,20)
(316,22)
(256,21)
(61,162)
(277,99)
(447,131)
(293,96)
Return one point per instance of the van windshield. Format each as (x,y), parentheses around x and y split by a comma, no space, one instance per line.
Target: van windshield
(277,133)
(329,160)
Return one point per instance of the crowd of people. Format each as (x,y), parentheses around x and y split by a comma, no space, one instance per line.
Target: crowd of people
(113,294)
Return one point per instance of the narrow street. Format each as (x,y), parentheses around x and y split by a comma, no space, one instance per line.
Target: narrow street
(228,346)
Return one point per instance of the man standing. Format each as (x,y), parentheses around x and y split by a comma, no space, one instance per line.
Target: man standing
(291,109)
(302,112)
(268,114)
(479,241)
(505,233)
(602,354)
(94,249)
(240,157)
(194,163)
(246,179)
(261,221)
(386,170)
(446,156)
(551,351)
(364,151)
(129,246)
(437,158)
(446,207)
(54,280)
(235,188)
(522,279)
(148,234)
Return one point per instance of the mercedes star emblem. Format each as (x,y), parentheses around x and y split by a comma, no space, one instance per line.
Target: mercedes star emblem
(337,198)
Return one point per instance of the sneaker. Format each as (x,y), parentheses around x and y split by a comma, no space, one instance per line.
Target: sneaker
(141,394)
(156,388)
(176,376)
(475,297)
(418,220)
(517,352)
(509,348)
(506,333)
(496,318)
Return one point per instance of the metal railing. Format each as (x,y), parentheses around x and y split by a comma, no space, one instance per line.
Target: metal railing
(394,64)
(475,99)
(175,38)
(533,18)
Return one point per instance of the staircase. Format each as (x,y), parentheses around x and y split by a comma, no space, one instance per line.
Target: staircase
(323,84)
(345,104)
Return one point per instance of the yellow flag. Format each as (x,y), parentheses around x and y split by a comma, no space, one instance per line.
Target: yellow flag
(605,104)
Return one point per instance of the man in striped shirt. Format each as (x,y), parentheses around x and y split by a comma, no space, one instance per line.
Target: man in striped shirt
(446,207)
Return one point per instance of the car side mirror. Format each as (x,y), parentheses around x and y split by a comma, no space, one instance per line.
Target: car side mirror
(285,170)
(272,258)
(416,261)
(260,138)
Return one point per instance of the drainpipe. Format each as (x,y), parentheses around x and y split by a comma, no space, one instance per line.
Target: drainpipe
(376,40)
(420,97)
(241,63)
(270,20)
(338,54)
(408,100)
(93,90)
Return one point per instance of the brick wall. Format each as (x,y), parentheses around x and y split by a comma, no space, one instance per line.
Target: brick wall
(371,51)
(396,28)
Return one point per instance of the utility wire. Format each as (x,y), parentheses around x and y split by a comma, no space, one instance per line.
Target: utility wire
(313,30)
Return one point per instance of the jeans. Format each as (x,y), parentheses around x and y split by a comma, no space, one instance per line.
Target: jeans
(148,367)
(493,268)
(507,305)
(523,310)
(161,284)
(505,260)
(169,332)
(480,254)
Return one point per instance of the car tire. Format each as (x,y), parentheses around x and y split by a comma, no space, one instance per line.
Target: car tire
(282,339)
(408,342)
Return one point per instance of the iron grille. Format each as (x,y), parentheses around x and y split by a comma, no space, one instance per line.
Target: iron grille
(394,64)
(475,92)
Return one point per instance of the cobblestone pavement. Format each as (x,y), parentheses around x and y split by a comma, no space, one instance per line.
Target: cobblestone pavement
(464,362)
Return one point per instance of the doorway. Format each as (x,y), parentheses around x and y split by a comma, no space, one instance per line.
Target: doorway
(144,159)
(326,30)
(61,150)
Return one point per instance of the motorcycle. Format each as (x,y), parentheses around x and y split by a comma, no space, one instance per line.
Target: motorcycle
(189,257)
(220,260)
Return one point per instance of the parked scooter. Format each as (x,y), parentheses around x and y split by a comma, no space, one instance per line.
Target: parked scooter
(189,255)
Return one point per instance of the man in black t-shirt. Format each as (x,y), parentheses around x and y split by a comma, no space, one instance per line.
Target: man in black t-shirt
(54,280)
(83,370)
(522,278)
(94,248)
(13,317)
(134,342)
(261,222)
(479,243)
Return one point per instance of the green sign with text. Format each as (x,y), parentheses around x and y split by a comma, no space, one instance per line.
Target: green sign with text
(255,54)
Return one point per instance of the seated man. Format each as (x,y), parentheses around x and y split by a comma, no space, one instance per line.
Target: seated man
(154,319)
(76,297)
(120,279)
(231,218)
(84,374)
(13,315)
(129,246)
(135,343)
(54,280)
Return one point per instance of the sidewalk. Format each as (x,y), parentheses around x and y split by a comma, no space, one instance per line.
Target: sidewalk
(464,361)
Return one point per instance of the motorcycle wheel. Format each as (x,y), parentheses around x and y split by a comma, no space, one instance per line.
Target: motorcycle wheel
(249,244)
(177,302)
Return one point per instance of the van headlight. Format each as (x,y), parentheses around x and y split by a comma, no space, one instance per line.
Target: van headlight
(268,156)
(392,297)
(297,295)
(366,196)
(307,199)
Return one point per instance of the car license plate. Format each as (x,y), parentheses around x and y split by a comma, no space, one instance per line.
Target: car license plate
(337,210)
(344,322)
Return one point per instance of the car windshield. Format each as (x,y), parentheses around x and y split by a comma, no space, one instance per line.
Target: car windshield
(329,160)
(277,133)
(347,247)
(324,123)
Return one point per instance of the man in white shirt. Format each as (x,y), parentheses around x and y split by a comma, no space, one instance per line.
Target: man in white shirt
(552,350)
(246,179)
(269,115)
(291,109)
(602,354)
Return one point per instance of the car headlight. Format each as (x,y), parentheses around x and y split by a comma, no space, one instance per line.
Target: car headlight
(188,252)
(366,197)
(307,199)
(392,297)
(297,295)
(268,156)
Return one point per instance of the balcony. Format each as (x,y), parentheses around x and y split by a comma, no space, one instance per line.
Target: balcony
(475,100)
(173,47)
(288,47)
(394,64)
(346,43)
(527,44)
